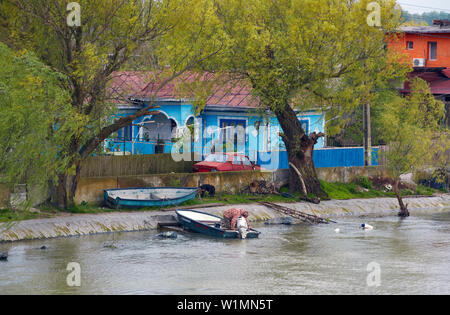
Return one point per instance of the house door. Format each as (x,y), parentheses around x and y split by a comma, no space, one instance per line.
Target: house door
(233,135)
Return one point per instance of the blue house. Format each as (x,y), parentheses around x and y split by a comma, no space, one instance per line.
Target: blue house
(231,121)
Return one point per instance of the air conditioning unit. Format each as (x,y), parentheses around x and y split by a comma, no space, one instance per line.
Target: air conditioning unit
(419,62)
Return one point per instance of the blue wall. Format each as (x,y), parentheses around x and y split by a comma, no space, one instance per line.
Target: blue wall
(266,139)
(334,157)
(256,142)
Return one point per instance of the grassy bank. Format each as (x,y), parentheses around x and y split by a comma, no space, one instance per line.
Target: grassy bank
(344,191)
(8,215)
(337,191)
(226,199)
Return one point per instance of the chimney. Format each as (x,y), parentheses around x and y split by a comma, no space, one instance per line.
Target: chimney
(441,23)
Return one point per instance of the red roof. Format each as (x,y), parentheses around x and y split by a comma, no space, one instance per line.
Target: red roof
(144,85)
(126,83)
(446,72)
(439,81)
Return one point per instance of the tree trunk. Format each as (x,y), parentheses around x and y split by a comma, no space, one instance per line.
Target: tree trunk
(59,192)
(73,183)
(403,208)
(63,194)
(300,149)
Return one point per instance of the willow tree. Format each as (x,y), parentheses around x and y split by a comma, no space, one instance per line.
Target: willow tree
(31,103)
(415,137)
(304,54)
(87,42)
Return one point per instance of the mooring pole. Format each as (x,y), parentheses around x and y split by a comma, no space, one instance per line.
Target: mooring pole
(367,135)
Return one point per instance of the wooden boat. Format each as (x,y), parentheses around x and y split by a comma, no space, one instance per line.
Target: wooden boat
(147,197)
(208,224)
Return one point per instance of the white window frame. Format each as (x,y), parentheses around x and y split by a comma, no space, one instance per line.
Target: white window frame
(429,48)
(408,45)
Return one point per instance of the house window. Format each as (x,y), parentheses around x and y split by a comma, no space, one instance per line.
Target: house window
(125,134)
(305,126)
(233,134)
(433,50)
(159,127)
(266,136)
(144,130)
(410,45)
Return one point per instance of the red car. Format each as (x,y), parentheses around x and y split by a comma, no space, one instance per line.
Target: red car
(225,162)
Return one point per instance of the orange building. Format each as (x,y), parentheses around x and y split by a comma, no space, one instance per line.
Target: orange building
(428,51)
(425,46)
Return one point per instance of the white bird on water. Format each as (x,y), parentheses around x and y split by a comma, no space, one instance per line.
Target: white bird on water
(366,226)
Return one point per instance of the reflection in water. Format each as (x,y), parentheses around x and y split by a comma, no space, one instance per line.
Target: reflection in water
(414,255)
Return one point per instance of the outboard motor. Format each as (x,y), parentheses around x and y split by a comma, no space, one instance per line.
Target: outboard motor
(242,227)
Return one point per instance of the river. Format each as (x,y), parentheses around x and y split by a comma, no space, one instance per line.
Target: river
(413,256)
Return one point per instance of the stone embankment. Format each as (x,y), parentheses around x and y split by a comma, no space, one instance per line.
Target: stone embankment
(83,224)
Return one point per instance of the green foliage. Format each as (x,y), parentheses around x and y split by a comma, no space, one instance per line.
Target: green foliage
(440,175)
(114,35)
(424,190)
(174,182)
(351,132)
(88,209)
(413,131)
(343,191)
(318,54)
(363,181)
(35,120)
(421,175)
(8,216)
(309,54)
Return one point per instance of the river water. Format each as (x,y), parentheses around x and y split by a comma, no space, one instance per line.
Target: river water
(413,256)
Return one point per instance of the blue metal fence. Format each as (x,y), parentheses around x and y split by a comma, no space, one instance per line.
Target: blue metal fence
(326,157)
(136,147)
(330,157)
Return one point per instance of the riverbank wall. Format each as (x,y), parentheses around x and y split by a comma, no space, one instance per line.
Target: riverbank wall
(91,189)
(83,224)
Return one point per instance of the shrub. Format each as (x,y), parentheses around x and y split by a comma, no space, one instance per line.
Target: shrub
(363,181)
(423,190)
